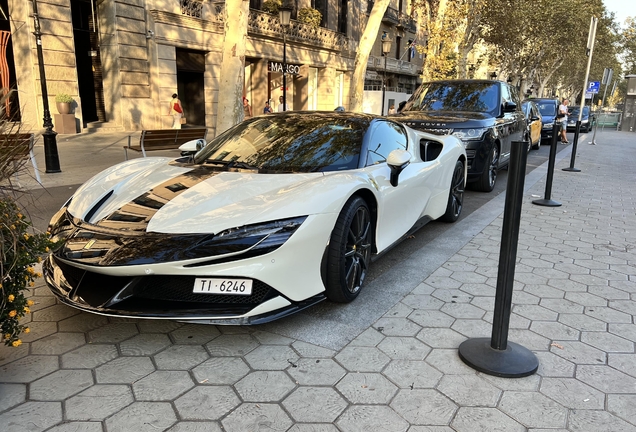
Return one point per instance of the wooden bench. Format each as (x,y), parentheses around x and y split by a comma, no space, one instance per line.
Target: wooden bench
(164,139)
(16,148)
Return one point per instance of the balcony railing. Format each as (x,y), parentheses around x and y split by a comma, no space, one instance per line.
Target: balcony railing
(392,65)
(391,16)
(407,23)
(261,23)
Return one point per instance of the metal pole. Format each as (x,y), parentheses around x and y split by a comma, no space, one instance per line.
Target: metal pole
(496,356)
(284,68)
(546,201)
(383,83)
(590,46)
(51,157)
(609,78)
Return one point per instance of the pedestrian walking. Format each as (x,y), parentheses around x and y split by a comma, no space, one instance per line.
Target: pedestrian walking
(176,111)
(562,117)
(267,109)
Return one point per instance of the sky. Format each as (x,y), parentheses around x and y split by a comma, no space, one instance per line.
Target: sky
(622,9)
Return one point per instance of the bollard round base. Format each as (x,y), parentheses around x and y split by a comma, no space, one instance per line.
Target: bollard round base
(547,203)
(515,361)
(571,169)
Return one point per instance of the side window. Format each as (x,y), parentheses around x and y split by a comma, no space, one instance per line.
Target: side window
(514,94)
(505,94)
(384,138)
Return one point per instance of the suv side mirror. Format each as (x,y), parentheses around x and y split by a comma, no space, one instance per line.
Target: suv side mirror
(509,107)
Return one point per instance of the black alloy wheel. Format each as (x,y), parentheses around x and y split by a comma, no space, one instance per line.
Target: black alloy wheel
(456,195)
(349,253)
(486,182)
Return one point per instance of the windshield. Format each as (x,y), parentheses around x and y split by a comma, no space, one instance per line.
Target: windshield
(289,143)
(574,111)
(547,108)
(469,96)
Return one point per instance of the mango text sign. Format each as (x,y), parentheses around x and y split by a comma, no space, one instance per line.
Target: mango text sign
(292,69)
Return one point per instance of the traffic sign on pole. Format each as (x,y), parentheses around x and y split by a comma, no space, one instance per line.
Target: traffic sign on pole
(593,87)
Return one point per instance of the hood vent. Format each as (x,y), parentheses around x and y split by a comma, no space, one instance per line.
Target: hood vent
(96,207)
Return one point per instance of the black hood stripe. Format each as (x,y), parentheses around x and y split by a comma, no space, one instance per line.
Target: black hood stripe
(136,215)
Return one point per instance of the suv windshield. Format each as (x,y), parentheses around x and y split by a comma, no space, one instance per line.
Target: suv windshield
(547,108)
(574,111)
(289,143)
(455,96)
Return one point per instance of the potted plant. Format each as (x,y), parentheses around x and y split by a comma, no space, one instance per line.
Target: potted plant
(310,16)
(63,103)
(21,246)
(271,6)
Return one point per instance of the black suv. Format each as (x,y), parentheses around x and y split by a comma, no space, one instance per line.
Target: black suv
(548,108)
(486,115)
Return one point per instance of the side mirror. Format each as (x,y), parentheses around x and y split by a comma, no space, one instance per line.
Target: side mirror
(191,147)
(509,107)
(397,161)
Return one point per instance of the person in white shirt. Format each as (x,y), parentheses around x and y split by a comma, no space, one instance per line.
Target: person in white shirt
(563,118)
(281,107)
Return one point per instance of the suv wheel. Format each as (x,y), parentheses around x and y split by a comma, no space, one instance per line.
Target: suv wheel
(486,182)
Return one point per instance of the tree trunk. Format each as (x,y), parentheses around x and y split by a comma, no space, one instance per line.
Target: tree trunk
(362,56)
(232,78)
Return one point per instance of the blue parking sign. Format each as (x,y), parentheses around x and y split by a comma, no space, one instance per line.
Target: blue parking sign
(593,86)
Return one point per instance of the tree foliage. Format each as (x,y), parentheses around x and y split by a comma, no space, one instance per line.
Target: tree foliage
(628,41)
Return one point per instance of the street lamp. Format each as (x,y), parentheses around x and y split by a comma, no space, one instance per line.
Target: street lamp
(51,157)
(284,16)
(386,49)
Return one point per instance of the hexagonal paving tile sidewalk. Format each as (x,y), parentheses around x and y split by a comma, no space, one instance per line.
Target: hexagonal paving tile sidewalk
(573,306)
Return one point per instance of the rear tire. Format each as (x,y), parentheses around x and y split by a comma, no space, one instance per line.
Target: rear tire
(486,182)
(349,254)
(456,195)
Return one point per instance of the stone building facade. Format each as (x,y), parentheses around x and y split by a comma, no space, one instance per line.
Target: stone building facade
(121,60)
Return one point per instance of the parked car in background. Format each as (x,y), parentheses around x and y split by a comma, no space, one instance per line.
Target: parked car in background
(533,122)
(486,115)
(270,217)
(587,120)
(548,108)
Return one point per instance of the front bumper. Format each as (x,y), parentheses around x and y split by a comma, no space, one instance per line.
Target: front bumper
(165,297)
(285,281)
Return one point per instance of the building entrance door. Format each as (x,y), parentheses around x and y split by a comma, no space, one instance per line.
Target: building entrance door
(88,61)
(190,85)
(7,67)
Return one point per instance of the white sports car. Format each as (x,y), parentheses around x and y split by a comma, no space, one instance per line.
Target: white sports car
(270,217)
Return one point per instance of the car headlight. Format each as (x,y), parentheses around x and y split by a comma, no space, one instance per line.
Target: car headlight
(472,134)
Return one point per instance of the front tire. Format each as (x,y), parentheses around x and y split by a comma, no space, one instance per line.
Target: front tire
(456,195)
(537,145)
(486,182)
(349,253)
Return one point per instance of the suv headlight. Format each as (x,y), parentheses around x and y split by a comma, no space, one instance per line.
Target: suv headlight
(472,134)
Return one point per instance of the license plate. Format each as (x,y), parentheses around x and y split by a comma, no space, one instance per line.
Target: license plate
(222,286)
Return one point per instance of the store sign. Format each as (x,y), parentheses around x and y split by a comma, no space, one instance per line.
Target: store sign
(292,69)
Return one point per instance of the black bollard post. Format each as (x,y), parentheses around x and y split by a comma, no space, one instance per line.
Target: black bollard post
(546,201)
(574,144)
(496,356)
